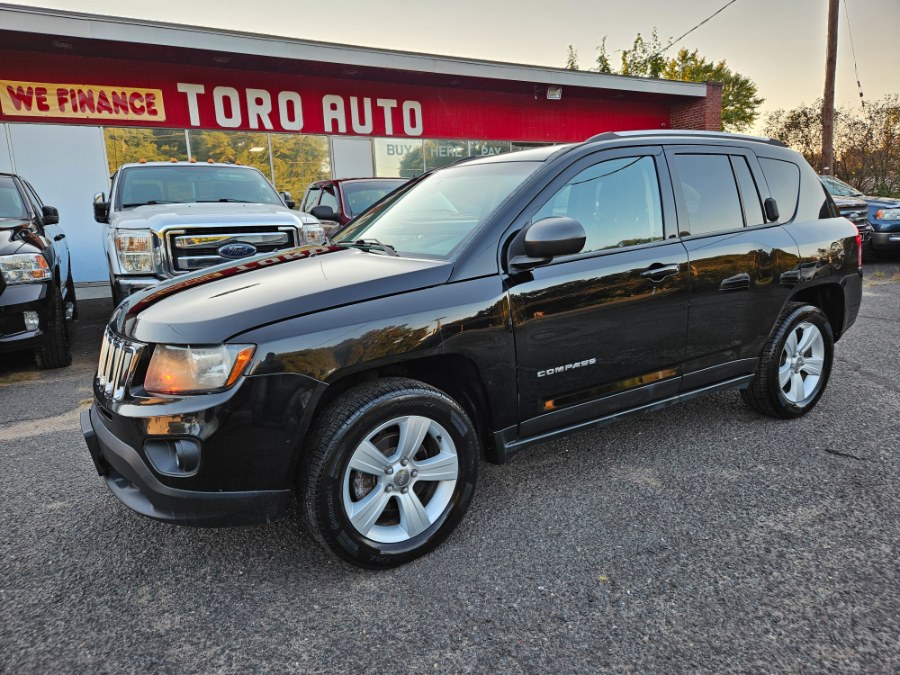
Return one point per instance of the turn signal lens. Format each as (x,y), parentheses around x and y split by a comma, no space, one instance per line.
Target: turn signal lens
(193,370)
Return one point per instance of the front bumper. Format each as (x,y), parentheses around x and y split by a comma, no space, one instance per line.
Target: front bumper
(130,479)
(886,240)
(16,300)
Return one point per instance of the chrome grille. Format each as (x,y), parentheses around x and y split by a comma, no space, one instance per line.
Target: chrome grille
(198,247)
(118,358)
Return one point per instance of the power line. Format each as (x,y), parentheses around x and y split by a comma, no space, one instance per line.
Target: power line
(862,101)
(684,35)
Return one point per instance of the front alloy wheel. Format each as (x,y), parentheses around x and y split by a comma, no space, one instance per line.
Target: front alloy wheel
(400,479)
(390,471)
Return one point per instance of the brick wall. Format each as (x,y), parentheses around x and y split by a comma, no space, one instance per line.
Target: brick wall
(704,114)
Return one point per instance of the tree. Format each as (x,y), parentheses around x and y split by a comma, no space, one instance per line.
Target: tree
(866,142)
(572,59)
(646,58)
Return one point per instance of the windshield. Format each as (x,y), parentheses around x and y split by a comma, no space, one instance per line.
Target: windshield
(838,188)
(362,194)
(11,204)
(175,184)
(434,216)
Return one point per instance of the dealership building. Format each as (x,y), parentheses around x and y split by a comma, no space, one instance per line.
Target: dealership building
(82,94)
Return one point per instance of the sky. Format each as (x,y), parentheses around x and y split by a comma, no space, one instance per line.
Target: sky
(779,44)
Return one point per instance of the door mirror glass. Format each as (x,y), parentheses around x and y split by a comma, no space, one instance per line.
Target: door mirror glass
(50,215)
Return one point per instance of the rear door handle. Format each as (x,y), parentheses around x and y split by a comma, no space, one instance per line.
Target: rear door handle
(659,271)
(58,237)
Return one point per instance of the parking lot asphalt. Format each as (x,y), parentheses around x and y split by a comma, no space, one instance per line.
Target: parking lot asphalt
(702,537)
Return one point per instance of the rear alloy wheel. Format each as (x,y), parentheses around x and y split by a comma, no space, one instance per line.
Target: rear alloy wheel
(391,470)
(795,364)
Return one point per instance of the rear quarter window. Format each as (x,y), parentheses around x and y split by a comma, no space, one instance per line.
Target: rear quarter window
(784,185)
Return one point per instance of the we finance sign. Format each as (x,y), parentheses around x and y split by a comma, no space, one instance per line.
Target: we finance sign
(81,101)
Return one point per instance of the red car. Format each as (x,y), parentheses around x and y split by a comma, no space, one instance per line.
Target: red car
(335,202)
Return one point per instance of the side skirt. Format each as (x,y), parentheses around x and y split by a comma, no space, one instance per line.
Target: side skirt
(508,443)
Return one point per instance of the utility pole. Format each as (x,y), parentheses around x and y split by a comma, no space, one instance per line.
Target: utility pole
(828,102)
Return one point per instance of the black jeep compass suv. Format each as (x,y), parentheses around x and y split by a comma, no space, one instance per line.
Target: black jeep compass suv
(480,309)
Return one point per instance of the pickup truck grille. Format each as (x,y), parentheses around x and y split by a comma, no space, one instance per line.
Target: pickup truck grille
(854,215)
(118,358)
(199,247)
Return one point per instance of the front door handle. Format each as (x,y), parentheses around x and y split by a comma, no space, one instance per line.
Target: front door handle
(659,271)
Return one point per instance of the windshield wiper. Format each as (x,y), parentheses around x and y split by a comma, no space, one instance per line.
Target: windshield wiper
(152,201)
(228,199)
(371,246)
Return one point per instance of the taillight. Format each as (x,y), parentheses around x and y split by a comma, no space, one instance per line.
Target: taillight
(859,251)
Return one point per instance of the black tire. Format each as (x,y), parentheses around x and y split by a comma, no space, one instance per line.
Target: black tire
(768,392)
(56,352)
(327,484)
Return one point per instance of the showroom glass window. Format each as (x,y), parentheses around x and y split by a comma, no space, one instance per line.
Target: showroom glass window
(617,202)
(126,146)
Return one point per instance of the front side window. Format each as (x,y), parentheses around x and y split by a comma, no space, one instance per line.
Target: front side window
(616,201)
(710,193)
(434,216)
(11,204)
(195,183)
(312,199)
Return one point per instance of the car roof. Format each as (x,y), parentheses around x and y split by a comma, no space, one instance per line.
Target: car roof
(181,163)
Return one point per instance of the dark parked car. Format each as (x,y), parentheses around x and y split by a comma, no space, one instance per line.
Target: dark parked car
(37,294)
(336,202)
(883,214)
(491,305)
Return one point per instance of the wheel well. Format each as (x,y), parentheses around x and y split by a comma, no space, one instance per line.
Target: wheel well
(830,299)
(455,375)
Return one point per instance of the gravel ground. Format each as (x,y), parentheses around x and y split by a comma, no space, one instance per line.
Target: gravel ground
(699,538)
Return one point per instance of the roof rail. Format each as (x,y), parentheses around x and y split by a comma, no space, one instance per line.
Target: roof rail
(609,135)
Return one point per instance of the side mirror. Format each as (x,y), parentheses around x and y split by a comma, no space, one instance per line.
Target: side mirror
(544,240)
(771,207)
(287,199)
(50,215)
(101,208)
(323,213)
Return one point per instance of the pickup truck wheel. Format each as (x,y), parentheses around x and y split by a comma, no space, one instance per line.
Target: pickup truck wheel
(391,469)
(56,352)
(795,364)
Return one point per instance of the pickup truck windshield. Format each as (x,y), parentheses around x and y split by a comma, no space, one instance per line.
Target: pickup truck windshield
(434,216)
(176,184)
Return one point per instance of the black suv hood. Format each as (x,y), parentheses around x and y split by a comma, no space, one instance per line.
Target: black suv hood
(212,306)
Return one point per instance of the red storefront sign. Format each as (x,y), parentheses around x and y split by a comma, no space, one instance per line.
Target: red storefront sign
(127,93)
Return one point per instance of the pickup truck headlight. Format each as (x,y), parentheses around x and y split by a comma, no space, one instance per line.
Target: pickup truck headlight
(193,370)
(888,214)
(135,251)
(24,268)
(315,234)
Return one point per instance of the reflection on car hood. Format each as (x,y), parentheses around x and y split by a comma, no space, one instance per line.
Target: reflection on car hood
(882,202)
(220,302)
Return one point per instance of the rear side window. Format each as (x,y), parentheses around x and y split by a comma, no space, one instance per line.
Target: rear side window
(749,193)
(710,193)
(784,184)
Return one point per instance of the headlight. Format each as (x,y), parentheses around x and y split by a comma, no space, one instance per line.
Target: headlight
(24,268)
(192,370)
(888,214)
(315,234)
(135,251)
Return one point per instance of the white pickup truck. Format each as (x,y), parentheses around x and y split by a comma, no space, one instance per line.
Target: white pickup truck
(167,218)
